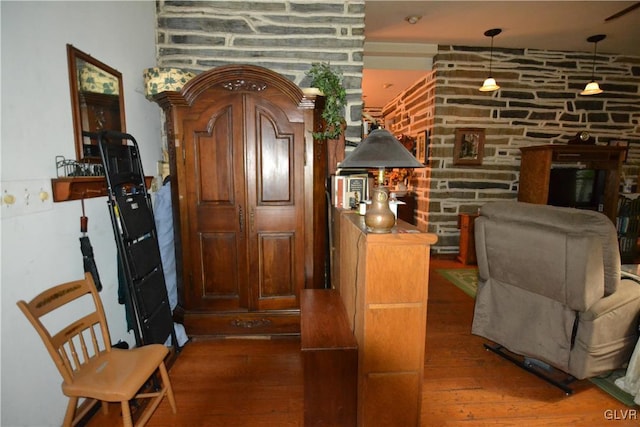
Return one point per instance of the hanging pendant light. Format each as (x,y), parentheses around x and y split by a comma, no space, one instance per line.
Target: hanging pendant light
(490,84)
(593,88)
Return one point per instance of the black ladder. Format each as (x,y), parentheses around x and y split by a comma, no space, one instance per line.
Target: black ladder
(146,299)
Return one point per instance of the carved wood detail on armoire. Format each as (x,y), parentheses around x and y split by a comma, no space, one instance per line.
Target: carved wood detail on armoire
(248,193)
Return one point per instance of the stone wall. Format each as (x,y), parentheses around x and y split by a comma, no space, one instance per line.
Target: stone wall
(539,103)
(283,35)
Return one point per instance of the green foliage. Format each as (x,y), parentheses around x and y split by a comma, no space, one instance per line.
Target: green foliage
(330,83)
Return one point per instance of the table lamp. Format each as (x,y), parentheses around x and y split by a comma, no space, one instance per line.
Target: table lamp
(380,149)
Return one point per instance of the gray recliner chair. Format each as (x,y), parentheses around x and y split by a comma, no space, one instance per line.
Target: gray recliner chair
(550,288)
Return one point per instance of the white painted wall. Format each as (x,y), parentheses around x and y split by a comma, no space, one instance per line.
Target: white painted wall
(42,249)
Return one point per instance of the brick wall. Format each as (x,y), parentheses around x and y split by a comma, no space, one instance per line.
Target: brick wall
(539,103)
(411,113)
(282,35)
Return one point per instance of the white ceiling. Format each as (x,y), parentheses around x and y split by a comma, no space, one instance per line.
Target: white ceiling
(399,53)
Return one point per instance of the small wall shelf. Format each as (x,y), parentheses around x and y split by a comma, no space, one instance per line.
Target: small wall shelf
(82,187)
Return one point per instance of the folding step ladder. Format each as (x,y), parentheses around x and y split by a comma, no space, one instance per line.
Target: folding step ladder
(146,299)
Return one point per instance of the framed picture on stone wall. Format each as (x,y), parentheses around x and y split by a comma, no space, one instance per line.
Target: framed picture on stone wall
(468,147)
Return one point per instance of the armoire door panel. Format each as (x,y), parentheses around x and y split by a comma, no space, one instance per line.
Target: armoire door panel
(214,159)
(220,279)
(273,218)
(275,163)
(277,261)
(219,217)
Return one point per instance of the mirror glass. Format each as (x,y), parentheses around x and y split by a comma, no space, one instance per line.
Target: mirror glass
(97,102)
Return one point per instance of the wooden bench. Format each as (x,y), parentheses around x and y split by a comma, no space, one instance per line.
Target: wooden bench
(330,360)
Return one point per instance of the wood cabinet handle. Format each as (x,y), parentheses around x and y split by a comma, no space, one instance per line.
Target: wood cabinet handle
(241,218)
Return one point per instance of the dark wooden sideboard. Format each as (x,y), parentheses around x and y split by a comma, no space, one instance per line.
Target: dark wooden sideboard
(537,162)
(330,360)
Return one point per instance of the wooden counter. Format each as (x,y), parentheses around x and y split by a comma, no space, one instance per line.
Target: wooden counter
(383,281)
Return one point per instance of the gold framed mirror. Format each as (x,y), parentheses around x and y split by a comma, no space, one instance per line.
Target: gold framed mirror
(97,102)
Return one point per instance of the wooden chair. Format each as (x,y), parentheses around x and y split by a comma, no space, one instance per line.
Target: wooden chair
(89,366)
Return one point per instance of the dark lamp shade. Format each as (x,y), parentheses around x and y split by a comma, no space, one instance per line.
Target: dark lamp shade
(380,149)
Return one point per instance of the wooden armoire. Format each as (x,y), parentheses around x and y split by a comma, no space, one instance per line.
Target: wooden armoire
(248,194)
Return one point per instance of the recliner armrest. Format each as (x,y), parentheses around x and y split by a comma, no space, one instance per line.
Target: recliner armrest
(628,293)
(630,276)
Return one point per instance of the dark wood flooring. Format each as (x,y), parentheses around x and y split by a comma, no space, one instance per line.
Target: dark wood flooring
(258,382)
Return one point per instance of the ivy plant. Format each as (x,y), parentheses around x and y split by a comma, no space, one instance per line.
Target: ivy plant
(330,83)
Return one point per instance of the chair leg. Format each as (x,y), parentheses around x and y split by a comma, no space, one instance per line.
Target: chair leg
(166,382)
(105,407)
(498,349)
(126,414)
(71,412)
